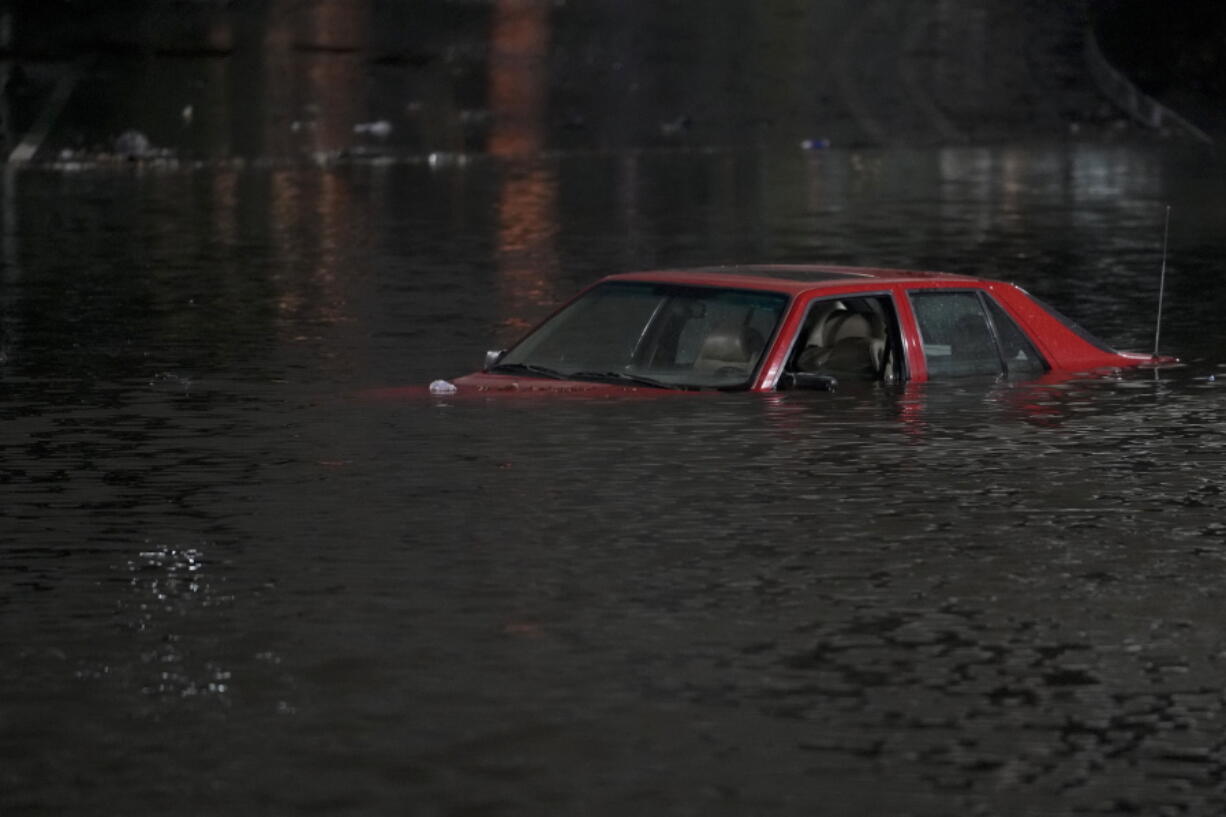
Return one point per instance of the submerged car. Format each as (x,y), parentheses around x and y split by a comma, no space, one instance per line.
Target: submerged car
(778,327)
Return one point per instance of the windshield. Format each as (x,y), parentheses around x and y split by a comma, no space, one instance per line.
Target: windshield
(654,334)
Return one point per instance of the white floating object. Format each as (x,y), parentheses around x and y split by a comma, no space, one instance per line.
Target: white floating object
(381,129)
(132,143)
(442,387)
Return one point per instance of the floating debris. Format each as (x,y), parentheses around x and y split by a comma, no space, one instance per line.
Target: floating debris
(442,387)
(677,126)
(133,144)
(474,116)
(380,129)
(439,159)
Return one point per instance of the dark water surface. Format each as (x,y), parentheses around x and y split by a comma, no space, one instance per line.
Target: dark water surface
(229,586)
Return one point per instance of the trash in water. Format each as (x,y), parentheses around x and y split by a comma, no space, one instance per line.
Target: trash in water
(442,387)
(380,129)
(815,144)
(677,126)
(474,116)
(438,159)
(132,143)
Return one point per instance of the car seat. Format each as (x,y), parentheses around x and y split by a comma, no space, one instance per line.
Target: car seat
(729,348)
(845,344)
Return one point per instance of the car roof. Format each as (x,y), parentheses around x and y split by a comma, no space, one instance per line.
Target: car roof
(790,278)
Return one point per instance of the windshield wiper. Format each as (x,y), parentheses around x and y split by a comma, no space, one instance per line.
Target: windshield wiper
(624,377)
(607,377)
(528,368)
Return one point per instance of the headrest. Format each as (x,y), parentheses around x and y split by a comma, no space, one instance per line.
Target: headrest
(732,344)
(840,324)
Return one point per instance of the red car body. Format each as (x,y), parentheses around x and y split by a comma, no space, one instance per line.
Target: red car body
(911,310)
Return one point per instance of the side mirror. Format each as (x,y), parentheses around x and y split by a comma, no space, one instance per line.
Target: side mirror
(808,381)
(492,357)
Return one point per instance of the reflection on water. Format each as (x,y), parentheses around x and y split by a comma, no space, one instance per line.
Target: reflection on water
(224,580)
(314,224)
(328,80)
(519,77)
(316,77)
(527,199)
(527,254)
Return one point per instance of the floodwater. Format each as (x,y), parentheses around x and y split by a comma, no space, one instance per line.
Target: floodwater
(229,583)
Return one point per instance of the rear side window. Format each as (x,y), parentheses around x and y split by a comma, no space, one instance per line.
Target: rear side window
(1018,352)
(955,332)
(968,333)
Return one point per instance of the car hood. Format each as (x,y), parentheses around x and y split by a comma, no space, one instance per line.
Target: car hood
(484,384)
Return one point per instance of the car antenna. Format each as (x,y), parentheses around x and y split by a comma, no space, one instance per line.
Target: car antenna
(1166,232)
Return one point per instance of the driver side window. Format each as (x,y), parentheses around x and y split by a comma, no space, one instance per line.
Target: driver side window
(850,338)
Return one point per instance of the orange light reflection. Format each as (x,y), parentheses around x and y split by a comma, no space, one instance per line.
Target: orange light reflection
(527,201)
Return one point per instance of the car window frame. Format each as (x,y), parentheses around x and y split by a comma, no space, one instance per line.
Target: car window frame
(895,340)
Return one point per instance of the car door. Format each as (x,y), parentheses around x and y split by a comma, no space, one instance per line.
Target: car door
(965,332)
(844,339)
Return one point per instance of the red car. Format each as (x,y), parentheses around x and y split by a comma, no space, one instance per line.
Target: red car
(778,327)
